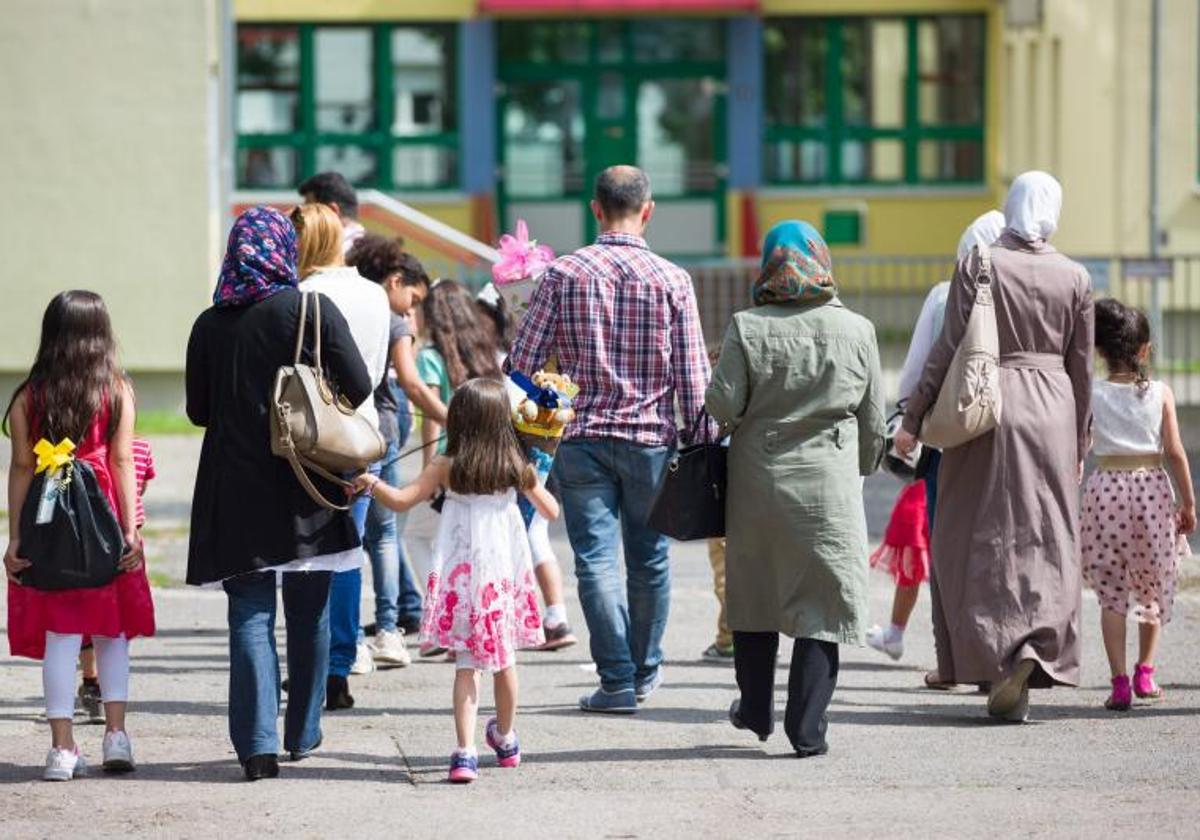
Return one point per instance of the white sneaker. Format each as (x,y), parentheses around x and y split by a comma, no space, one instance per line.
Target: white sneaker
(118,753)
(390,650)
(363,663)
(63,765)
(884,642)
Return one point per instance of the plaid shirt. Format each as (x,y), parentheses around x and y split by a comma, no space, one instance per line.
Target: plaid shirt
(624,325)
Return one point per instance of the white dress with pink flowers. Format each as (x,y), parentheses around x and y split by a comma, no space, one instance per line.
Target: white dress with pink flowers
(481,599)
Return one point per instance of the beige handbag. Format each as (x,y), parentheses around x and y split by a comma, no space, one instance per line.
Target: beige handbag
(313,428)
(968,405)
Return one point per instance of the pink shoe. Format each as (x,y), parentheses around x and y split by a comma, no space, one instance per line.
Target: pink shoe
(464,767)
(1121,698)
(1144,685)
(505,756)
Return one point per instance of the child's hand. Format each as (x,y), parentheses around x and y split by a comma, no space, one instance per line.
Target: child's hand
(14,564)
(364,483)
(1187,519)
(135,553)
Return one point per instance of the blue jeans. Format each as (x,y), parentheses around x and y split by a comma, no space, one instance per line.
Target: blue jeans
(254,662)
(397,598)
(607,486)
(345,598)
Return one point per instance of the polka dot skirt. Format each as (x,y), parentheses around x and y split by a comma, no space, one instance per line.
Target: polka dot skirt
(1128,541)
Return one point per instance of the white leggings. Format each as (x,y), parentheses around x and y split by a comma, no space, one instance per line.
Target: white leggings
(58,671)
(539,541)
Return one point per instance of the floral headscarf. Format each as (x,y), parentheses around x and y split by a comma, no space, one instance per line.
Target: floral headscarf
(796,267)
(260,259)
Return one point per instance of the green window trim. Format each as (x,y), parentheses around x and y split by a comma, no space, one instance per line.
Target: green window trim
(306,138)
(911,134)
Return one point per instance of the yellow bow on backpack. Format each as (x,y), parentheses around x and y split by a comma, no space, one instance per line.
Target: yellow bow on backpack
(51,457)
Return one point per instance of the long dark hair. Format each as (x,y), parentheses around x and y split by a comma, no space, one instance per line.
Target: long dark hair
(456,331)
(1121,333)
(75,371)
(480,438)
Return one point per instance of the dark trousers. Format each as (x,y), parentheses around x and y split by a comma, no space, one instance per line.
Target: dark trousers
(941,635)
(811,681)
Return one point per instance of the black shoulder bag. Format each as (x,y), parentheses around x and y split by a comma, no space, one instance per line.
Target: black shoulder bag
(690,502)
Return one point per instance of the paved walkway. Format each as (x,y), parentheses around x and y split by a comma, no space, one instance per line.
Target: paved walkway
(904,761)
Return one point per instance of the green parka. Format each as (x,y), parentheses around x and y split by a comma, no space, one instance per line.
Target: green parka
(799,386)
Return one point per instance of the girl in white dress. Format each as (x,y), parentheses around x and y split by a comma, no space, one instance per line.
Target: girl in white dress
(481,598)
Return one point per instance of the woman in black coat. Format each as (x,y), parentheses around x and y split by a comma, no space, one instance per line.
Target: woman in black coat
(250,516)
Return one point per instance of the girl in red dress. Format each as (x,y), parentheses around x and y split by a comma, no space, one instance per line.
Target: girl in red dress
(75,390)
(904,554)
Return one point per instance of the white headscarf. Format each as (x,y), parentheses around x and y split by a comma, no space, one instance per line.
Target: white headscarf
(983,231)
(1032,207)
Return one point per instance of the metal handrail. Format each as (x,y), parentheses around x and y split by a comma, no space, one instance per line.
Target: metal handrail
(397,216)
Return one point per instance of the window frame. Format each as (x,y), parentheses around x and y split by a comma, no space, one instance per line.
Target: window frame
(911,133)
(380,141)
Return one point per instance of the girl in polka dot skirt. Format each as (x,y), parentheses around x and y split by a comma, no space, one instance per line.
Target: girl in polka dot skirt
(1133,532)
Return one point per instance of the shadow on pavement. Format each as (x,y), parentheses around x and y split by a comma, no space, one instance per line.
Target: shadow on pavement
(707,752)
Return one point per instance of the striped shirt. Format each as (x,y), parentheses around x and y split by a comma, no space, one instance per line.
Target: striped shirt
(624,325)
(143,471)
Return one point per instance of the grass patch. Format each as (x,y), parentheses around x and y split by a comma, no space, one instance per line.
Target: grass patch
(165,532)
(164,423)
(161,580)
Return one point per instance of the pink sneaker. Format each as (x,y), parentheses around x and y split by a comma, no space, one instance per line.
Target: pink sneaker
(1121,698)
(505,756)
(1144,685)
(464,767)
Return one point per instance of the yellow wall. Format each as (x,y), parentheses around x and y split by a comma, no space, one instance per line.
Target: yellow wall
(104,158)
(873,7)
(353,10)
(1077,105)
(1179,201)
(896,224)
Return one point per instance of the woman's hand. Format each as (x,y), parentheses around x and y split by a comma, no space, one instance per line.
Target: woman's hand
(1187,519)
(14,564)
(904,442)
(135,553)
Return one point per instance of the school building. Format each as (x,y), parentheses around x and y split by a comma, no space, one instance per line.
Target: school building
(133,129)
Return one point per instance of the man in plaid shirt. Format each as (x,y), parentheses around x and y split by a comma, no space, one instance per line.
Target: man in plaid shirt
(623,324)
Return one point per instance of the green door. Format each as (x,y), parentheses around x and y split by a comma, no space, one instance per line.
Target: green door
(578,96)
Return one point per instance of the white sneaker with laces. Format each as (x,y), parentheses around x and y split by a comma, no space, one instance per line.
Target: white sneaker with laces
(390,650)
(885,642)
(63,765)
(363,663)
(118,753)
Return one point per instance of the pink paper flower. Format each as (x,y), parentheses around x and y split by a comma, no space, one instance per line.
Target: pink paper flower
(520,257)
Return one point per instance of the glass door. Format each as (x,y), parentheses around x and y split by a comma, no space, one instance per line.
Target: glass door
(677,142)
(577,97)
(542,140)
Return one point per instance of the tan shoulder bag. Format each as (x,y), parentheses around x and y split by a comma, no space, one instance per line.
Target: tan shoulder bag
(314,429)
(968,405)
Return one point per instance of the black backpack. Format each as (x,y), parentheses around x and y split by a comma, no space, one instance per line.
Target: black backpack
(79,542)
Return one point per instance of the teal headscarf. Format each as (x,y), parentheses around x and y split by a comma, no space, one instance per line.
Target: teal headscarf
(796,267)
